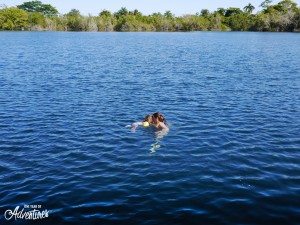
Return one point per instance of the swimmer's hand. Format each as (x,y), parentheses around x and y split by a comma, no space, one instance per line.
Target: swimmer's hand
(134,126)
(146,124)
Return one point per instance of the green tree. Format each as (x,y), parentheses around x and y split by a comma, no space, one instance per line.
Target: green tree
(33,6)
(286,5)
(239,22)
(217,22)
(61,23)
(105,13)
(75,20)
(205,13)
(50,24)
(38,6)
(137,13)
(221,11)
(49,10)
(279,17)
(194,23)
(169,15)
(122,12)
(249,8)
(106,21)
(129,22)
(232,11)
(265,4)
(162,23)
(74,12)
(13,19)
(297,21)
(36,21)
(90,23)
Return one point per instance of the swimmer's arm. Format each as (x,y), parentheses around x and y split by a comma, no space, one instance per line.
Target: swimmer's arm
(135,125)
(163,126)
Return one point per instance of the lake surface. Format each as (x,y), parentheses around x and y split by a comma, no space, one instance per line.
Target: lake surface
(232,100)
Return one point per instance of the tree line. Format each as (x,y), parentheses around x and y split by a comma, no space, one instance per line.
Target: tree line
(36,16)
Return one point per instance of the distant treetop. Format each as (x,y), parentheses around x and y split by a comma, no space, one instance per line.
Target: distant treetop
(38,6)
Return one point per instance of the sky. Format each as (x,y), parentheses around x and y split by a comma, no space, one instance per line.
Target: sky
(147,7)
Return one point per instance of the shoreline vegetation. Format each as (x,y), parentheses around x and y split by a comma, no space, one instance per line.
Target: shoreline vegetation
(36,16)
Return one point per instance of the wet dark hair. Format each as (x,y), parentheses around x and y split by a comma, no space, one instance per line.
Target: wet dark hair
(159,116)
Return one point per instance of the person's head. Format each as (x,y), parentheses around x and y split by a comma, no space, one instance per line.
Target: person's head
(148,118)
(158,116)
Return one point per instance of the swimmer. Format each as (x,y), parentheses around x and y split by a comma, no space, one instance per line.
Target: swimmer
(146,123)
(158,121)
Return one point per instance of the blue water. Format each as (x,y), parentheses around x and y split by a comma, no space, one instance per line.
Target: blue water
(232,100)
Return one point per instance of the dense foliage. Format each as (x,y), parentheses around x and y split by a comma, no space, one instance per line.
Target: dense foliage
(34,15)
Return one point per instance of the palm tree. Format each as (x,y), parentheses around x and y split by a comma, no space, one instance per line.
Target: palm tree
(249,8)
(265,4)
